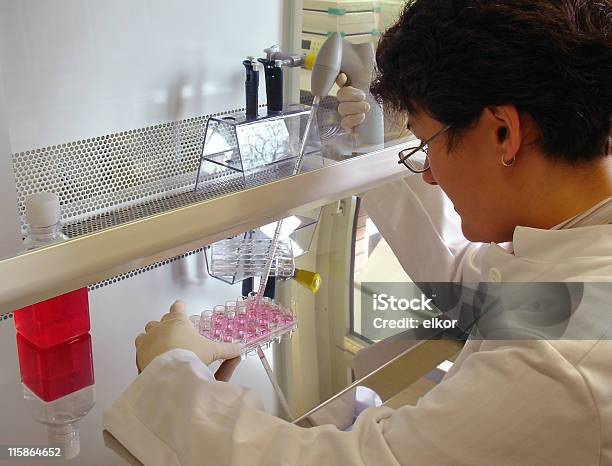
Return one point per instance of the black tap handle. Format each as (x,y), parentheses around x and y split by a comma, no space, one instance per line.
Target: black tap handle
(274,84)
(251,86)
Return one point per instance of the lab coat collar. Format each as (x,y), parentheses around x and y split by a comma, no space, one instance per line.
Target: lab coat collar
(550,255)
(563,245)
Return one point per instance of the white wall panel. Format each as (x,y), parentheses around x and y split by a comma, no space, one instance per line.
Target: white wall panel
(10,234)
(75,69)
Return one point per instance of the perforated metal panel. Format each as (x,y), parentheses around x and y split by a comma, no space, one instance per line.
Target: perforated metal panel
(110,180)
(102,174)
(211,189)
(133,273)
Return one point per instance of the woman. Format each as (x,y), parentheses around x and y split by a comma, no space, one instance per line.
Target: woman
(513,99)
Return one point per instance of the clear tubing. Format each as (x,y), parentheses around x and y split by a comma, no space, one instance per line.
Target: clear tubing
(274,243)
(313,112)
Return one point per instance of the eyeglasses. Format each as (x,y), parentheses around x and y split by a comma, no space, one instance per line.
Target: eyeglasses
(413,165)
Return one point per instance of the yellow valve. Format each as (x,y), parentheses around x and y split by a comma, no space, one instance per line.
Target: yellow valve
(309,61)
(310,280)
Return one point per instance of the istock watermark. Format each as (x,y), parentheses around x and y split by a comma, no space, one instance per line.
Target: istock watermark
(485,311)
(384,302)
(389,308)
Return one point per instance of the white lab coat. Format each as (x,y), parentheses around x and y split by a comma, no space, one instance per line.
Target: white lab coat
(503,403)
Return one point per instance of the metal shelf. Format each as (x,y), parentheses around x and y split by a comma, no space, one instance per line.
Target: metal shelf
(115,248)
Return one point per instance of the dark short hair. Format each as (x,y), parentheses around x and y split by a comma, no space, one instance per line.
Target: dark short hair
(552,59)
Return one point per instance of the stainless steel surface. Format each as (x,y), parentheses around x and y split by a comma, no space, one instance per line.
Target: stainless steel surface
(388,381)
(47,272)
(128,275)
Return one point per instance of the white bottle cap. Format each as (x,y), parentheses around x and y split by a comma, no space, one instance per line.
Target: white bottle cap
(42,209)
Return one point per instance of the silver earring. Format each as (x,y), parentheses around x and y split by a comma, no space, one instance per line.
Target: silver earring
(509,163)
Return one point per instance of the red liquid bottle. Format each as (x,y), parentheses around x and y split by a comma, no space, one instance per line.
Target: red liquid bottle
(64,317)
(58,386)
(51,373)
(55,320)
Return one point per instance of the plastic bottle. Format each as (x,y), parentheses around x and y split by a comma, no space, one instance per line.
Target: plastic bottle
(53,343)
(57,319)
(58,386)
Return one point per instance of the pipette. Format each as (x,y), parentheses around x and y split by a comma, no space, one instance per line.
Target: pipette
(270,260)
(281,396)
(323,76)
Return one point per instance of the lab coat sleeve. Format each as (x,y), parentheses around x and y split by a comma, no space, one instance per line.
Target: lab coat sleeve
(497,409)
(424,231)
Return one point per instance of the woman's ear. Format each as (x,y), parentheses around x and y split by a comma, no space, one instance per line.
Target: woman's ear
(507,121)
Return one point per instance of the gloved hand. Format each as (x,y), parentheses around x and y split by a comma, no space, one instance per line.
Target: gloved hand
(353,106)
(175,330)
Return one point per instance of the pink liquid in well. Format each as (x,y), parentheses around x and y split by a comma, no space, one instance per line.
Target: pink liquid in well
(246,327)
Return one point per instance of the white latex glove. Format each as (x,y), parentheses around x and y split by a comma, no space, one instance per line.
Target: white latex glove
(353,106)
(175,330)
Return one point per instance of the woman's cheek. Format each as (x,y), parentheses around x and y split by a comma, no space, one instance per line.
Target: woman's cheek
(429,178)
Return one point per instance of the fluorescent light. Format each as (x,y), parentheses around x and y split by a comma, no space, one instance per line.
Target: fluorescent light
(296,249)
(445,365)
(290,224)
